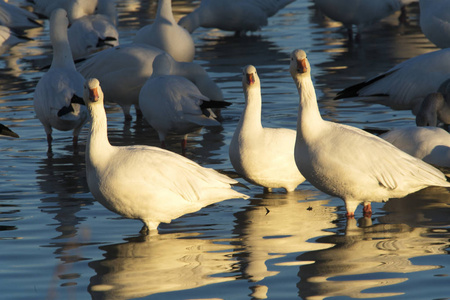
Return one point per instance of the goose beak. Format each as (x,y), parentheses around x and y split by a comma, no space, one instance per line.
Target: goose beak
(250,79)
(93,95)
(302,66)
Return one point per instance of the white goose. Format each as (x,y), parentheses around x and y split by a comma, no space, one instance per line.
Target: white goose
(232,15)
(358,12)
(16,17)
(435,21)
(90,33)
(124,69)
(348,162)
(431,144)
(143,182)
(59,85)
(404,86)
(166,34)
(263,156)
(172,103)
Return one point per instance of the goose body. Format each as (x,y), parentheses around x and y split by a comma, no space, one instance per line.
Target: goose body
(404,86)
(124,69)
(431,144)
(263,156)
(166,34)
(60,84)
(16,17)
(358,12)
(90,33)
(143,182)
(232,15)
(348,162)
(435,21)
(172,103)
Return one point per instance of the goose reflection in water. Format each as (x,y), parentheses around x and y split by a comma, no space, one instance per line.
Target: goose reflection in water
(373,256)
(148,265)
(276,225)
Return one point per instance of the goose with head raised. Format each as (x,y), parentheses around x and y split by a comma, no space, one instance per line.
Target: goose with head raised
(262,155)
(348,162)
(143,182)
(59,85)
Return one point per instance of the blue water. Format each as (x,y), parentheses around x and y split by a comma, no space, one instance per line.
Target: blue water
(57,242)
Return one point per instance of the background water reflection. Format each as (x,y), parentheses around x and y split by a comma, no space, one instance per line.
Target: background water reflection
(58,243)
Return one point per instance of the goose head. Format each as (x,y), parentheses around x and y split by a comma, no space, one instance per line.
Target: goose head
(250,77)
(299,65)
(435,107)
(93,94)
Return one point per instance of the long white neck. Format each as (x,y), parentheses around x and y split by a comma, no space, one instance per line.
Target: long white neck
(165,10)
(251,115)
(309,118)
(98,147)
(62,54)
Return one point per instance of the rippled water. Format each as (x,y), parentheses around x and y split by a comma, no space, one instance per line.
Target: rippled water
(58,243)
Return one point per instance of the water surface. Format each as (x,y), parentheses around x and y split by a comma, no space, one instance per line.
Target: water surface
(58,243)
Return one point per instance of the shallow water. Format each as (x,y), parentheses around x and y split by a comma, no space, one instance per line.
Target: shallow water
(58,243)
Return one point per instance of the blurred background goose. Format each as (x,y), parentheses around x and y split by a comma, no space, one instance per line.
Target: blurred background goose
(435,21)
(164,33)
(232,15)
(59,85)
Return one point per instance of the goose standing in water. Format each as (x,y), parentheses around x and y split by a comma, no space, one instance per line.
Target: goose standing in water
(348,162)
(172,103)
(59,85)
(232,15)
(143,182)
(263,156)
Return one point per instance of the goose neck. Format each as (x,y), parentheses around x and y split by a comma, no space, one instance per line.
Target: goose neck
(251,115)
(165,10)
(98,145)
(62,54)
(309,117)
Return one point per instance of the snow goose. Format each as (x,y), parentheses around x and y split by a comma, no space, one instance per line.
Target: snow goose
(435,21)
(60,84)
(143,182)
(7,132)
(435,107)
(358,12)
(232,15)
(166,34)
(15,17)
(90,33)
(172,103)
(45,7)
(348,162)
(9,39)
(263,156)
(124,69)
(404,86)
(431,144)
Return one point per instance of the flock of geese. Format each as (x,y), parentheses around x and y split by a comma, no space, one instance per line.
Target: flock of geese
(155,75)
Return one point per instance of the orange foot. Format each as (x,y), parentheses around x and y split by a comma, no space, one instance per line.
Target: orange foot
(367,210)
